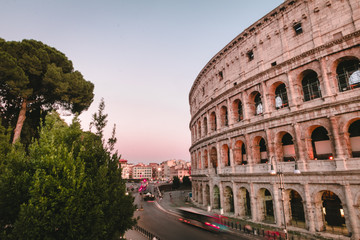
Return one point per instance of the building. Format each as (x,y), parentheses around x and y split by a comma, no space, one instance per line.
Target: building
(283,95)
(140,171)
(126,169)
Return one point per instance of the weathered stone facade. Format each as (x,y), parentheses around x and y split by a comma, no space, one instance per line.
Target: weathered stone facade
(284,93)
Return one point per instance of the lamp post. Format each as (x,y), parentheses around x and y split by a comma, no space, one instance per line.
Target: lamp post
(280,173)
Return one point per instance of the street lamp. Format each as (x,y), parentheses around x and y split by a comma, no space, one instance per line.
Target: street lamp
(280,173)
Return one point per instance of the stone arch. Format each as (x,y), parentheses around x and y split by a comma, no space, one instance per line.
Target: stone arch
(207,195)
(213,124)
(240,153)
(238,111)
(224,116)
(310,83)
(213,158)
(199,160)
(279,96)
(216,198)
(354,138)
(320,143)
(199,129)
(228,200)
(285,146)
(265,206)
(200,194)
(260,150)
(295,210)
(205,126)
(244,202)
(206,160)
(329,212)
(225,155)
(347,70)
(255,103)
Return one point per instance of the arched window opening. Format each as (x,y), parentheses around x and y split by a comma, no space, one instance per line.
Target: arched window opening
(224,117)
(243,152)
(238,110)
(288,148)
(205,126)
(348,75)
(333,212)
(213,159)
(229,200)
(216,203)
(199,129)
(206,163)
(263,152)
(297,210)
(226,155)
(258,104)
(265,205)
(354,134)
(199,160)
(281,99)
(243,198)
(321,144)
(311,86)
(213,121)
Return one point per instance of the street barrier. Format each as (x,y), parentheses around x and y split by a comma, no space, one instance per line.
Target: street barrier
(146,233)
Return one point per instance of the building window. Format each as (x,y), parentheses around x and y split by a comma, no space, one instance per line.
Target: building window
(250,55)
(311,86)
(297,28)
(281,99)
(348,75)
(224,116)
(221,75)
(258,105)
(240,112)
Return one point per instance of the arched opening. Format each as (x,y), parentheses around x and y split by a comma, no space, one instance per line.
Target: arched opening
(238,110)
(206,163)
(207,196)
(240,153)
(258,104)
(281,99)
(311,86)
(229,200)
(244,202)
(265,206)
(225,155)
(288,148)
(321,144)
(224,116)
(199,161)
(199,129)
(205,126)
(216,203)
(354,134)
(200,198)
(348,75)
(263,151)
(213,158)
(213,121)
(297,213)
(333,213)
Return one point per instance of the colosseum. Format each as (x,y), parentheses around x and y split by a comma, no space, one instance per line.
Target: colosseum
(275,122)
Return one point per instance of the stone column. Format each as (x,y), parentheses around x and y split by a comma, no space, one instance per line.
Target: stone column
(270,142)
(309,209)
(249,156)
(277,203)
(351,219)
(339,150)
(265,99)
(253,204)
(325,80)
(221,190)
(235,196)
(218,152)
(245,105)
(293,96)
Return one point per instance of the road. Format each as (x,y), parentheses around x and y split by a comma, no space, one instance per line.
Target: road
(167,226)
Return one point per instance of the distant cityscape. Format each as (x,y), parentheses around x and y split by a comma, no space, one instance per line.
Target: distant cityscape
(164,171)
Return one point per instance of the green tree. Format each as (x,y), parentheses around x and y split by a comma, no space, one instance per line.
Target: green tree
(176,182)
(66,187)
(186,181)
(35,77)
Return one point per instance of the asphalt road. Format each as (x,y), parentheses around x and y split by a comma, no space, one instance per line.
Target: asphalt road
(168,227)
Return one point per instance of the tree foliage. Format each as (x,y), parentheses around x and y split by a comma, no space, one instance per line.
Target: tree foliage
(176,182)
(34,79)
(66,187)
(186,181)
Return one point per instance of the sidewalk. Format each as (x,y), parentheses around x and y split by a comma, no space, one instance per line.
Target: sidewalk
(134,235)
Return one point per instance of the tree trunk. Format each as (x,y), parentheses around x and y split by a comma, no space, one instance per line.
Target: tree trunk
(20,121)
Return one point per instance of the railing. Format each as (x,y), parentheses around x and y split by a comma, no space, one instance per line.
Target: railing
(146,233)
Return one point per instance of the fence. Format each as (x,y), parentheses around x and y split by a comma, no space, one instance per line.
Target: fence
(146,233)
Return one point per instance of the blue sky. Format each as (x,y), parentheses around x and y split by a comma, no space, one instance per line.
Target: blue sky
(142,55)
